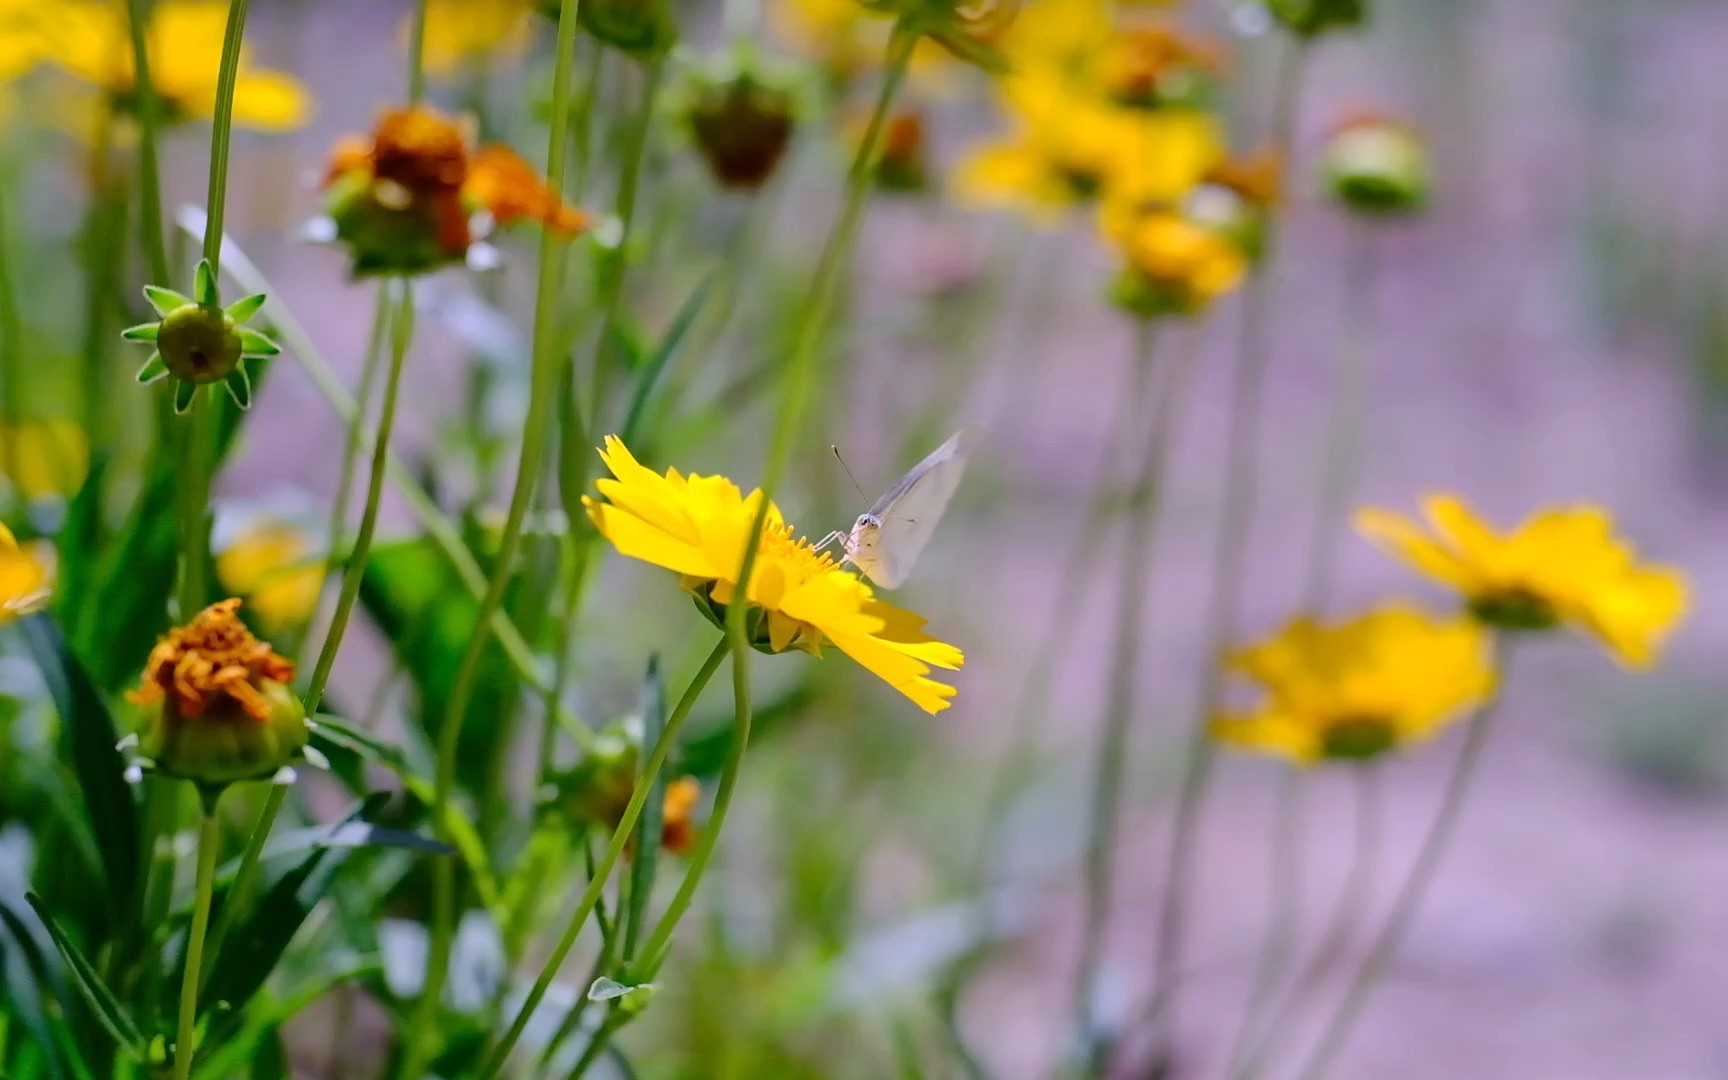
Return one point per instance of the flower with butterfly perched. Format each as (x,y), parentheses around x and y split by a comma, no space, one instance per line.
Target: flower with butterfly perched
(699,526)
(198,341)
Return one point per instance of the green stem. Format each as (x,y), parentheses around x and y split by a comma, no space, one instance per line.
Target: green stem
(1351,913)
(246,874)
(11,352)
(149,128)
(543,382)
(614,849)
(209,838)
(1109,769)
(337,532)
(222,131)
(1241,464)
(615,1019)
(1408,898)
(104,243)
(1340,473)
(417,54)
(193,486)
(617,260)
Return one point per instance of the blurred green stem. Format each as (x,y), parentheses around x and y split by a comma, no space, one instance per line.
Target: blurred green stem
(616,261)
(614,850)
(1340,476)
(543,390)
(1408,898)
(222,131)
(417,54)
(11,344)
(1241,466)
(103,249)
(1139,554)
(209,838)
(149,129)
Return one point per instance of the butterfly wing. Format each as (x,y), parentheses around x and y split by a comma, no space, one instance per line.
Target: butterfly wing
(909,512)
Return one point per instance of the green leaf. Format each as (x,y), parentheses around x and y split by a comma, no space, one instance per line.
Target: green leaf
(30,986)
(204,285)
(153,369)
(253,343)
(246,307)
(142,332)
(641,892)
(184,392)
(657,364)
(87,739)
(165,300)
(239,387)
(109,1011)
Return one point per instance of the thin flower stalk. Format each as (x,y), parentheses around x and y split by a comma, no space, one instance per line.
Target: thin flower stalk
(621,835)
(1243,421)
(11,339)
(1139,554)
(1408,899)
(1340,477)
(417,54)
(209,839)
(543,380)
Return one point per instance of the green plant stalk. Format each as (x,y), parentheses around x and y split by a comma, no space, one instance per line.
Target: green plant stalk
(103,248)
(401,334)
(617,260)
(597,1045)
(222,132)
(246,874)
(1139,553)
(209,838)
(1241,466)
(338,528)
(11,350)
(602,963)
(443,532)
(543,382)
(149,132)
(417,54)
(193,488)
(1351,913)
(1408,898)
(1340,476)
(614,850)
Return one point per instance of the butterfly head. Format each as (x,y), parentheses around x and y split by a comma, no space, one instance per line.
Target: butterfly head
(862,540)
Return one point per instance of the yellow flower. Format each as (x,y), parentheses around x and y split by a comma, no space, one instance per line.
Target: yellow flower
(1561,565)
(90,39)
(274,566)
(24,578)
(52,457)
(1359,688)
(463,33)
(847,40)
(1172,263)
(699,526)
(22,38)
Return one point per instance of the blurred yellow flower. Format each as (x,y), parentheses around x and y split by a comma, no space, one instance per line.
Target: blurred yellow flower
(699,526)
(90,39)
(463,33)
(52,457)
(275,567)
(1561,565)
(1359,688)
(846,40)
(1173,264)
(23,41)
(24,578)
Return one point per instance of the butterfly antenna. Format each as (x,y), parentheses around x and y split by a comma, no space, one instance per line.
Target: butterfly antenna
(848,472)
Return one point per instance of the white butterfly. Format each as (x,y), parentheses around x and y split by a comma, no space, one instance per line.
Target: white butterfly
(887,539)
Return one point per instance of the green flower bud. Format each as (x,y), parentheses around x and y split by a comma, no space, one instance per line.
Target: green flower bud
(742,125)
(199,344)
(1377,167)
(641,27)
(1311,18)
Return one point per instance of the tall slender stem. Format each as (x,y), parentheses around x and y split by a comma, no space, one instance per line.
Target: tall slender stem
(1240,484)
(1408,899)
(11,347)
(543,390)
(417,54)
(104,244)
(222,131)
(1109,769)
(209,838)
(149,128)
(192,486)
(1340,473)
(614,849)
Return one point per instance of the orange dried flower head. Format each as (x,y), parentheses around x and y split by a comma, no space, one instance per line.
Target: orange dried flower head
(1155,66)
(421,149)
(226,712)
(677,829)
(508,188)
(1257,177)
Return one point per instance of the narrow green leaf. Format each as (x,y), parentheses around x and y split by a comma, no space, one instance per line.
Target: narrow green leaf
(165,300)
(153,369)
(648,825)
(254,343)
(239,386)
(30,985)
(657,364)
(87,739)
(109,1011)
(204,285)
(142,332)
(184,392)
(243,309)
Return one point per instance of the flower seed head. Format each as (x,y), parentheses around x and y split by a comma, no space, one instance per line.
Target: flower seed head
(199,344)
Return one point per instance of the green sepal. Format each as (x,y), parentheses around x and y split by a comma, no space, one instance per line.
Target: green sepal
(183,394)
(253,343)
(165,300)
(142,332)
(239,386)
(245,308)
(204,285)
(153,369)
